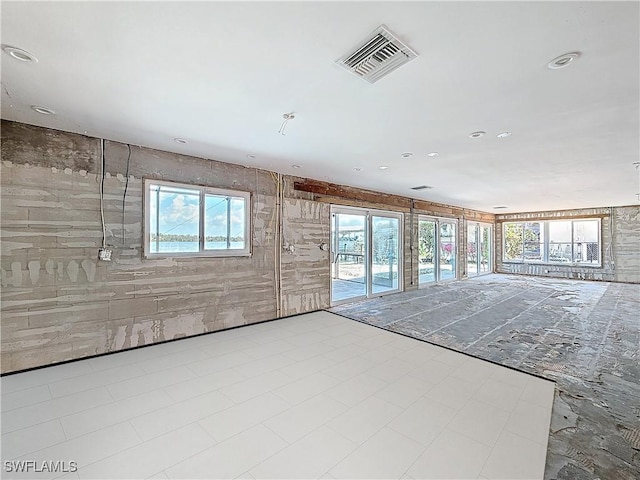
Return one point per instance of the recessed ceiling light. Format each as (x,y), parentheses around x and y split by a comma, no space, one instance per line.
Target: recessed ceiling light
(504,134)
(383,167)
(42,110)
(432,154)
(563,60)
(406,154)
(501,207)
(251,155)
(477,134)
(181,141)
(357,169)
(19,54)
(296,166)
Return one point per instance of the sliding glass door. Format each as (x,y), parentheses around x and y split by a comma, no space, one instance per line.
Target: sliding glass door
(366,253)
(348,272)
(436,250)
(447,250)
(427,249)
(478,249)
(484,235)
(385,262)
(472,250)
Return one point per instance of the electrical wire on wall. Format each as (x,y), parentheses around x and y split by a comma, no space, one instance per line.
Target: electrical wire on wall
(278,244)
(325,246)
(124,196)
(609,249)
(102,175)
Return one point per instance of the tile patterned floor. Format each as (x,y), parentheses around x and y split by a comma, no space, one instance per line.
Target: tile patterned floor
(312,396)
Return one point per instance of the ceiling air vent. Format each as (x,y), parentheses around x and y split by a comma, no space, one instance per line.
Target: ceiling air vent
(421,187)
(377,56)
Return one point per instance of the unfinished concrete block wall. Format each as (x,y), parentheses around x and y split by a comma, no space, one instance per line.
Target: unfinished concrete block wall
(305,267)
(60,303)
(411,262)
(620,245)
(625,243)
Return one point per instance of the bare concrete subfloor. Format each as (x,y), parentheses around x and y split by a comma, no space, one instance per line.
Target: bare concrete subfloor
(585,336)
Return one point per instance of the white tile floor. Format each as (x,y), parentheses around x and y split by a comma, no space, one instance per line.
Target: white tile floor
(313,396)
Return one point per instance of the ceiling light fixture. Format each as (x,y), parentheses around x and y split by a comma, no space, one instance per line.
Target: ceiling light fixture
(181,141)
(19,54)
(42,110)
(296,166)
(503,134)
(251,155)
(383,167)
(432,154)
(407,154)
(477,134)
(357,169)
(563,60)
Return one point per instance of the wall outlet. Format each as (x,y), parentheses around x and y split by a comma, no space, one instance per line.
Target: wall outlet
(104,254)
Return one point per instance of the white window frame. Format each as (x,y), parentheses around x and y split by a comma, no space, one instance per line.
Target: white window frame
(203,190)
(547,241)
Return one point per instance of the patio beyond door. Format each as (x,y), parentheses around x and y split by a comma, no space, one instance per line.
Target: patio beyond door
(365,253)
(436,250)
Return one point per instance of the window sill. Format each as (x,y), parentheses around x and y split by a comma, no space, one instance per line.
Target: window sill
(231,254)
(567,265)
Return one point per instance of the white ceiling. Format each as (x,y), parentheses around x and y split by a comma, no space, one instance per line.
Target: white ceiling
(222,74)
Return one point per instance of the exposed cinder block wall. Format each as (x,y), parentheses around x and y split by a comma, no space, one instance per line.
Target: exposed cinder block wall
(305,271)
(626,243)
(59,302)
(620,248)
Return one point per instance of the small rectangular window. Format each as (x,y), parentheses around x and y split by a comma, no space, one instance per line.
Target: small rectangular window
(188,220)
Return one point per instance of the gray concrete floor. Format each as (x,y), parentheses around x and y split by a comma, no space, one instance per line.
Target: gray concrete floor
(585,336)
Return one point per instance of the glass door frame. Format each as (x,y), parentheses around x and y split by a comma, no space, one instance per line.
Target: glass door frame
(436,248)
(334,251)
(368,213)
(479,226)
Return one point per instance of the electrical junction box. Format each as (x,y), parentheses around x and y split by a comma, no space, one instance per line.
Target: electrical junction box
(104,254)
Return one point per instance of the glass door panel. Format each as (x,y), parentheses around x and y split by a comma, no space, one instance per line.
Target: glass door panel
(385,233)
(447,251)
(472,250)
(485,249)
(426,251)
(348,262)
(366,253)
